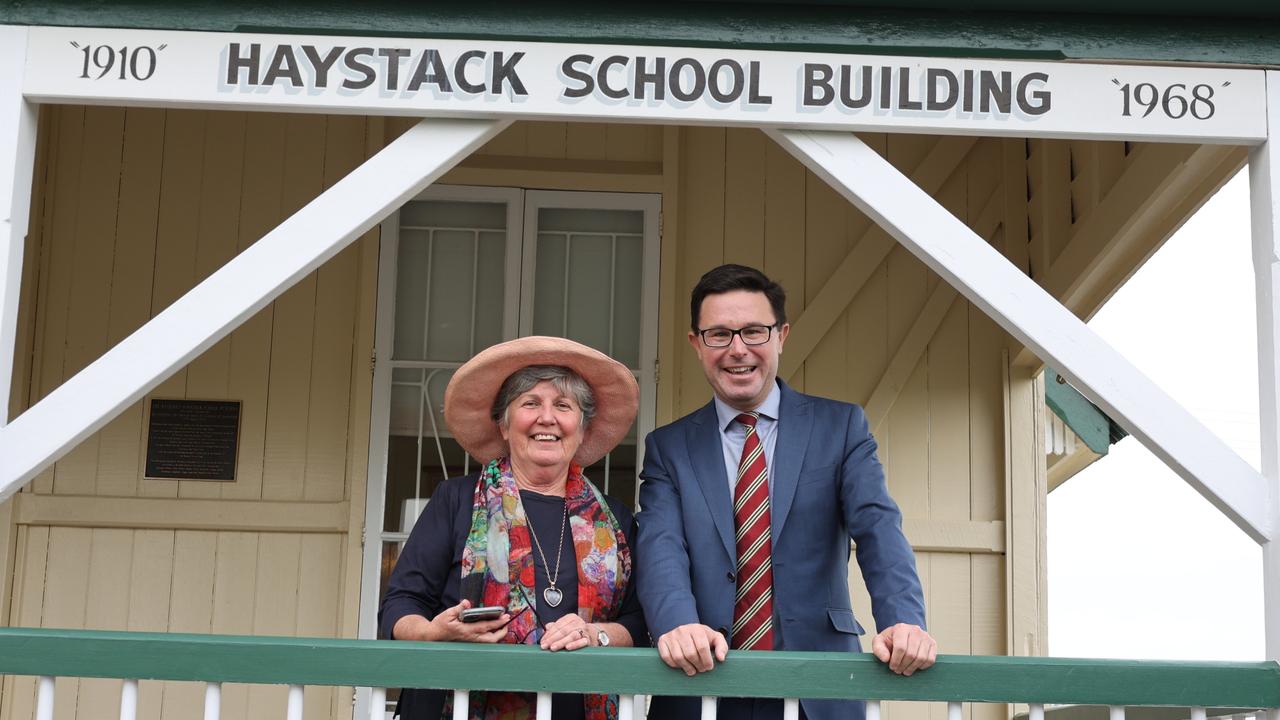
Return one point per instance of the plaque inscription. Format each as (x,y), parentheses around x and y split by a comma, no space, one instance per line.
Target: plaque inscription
(193,440)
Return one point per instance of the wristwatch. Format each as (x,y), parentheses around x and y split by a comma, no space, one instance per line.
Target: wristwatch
(602,637)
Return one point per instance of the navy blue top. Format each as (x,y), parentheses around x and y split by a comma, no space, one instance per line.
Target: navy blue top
(428,576)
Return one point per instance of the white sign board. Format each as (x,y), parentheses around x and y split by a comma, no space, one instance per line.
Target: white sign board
(452,78)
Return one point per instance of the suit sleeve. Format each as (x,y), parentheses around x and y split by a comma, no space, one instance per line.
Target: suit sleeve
(875,526)
(665,591)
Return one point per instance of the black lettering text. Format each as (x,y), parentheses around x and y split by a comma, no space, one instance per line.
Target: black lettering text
(236,62)
(817,85)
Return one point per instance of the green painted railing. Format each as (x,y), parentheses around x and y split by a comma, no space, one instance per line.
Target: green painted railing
(309,661)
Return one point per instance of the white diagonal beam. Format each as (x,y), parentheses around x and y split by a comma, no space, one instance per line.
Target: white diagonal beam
(1264,201)
(17,154)
(1030,314)
(246,284)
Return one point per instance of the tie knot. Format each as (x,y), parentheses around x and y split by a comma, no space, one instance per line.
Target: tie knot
(749,419)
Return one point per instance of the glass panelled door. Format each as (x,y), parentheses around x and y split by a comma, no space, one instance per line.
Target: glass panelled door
(464,268)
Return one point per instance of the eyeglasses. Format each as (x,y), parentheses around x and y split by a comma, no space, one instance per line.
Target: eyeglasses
(723,337)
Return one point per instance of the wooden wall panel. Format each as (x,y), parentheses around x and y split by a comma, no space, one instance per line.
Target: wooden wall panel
(129,304)
(143,204)
(183,581)
(176,239)
(250,361)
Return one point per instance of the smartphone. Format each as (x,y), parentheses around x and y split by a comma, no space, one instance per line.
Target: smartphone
(489,612)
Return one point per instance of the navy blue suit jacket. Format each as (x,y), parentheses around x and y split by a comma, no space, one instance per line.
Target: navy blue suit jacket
(828,488)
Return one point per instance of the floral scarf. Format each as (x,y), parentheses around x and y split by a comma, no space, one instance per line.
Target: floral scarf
(498,549)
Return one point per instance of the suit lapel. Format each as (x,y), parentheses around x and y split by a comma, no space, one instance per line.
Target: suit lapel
(795,425)
(706,455)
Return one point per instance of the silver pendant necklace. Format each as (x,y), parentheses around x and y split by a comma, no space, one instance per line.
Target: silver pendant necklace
(552,594)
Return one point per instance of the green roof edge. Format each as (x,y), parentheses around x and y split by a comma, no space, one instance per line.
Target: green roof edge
(1084,418)
(822,27)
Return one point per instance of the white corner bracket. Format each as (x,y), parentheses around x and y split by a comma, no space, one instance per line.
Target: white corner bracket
(17,156)
(1264,205)
(1030,314)
(228,297)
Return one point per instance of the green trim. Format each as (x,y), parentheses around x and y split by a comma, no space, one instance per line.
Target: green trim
(1083,417)
(1034,35)
(311,661)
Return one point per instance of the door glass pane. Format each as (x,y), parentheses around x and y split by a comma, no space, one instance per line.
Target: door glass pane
(588,279)
(450,274)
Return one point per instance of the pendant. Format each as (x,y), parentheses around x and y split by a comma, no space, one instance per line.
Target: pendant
(553,596)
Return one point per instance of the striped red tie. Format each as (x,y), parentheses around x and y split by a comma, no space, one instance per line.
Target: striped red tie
(753,605)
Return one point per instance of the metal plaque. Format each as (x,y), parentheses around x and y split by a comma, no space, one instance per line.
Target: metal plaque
(193,440)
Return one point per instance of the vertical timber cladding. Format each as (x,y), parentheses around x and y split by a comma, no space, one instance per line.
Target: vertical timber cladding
(140,205)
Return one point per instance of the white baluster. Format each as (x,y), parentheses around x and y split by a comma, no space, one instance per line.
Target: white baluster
(213,701)
(460,700)
(791,709)
(44,699)
(1198,713)
(294,710)
(873,710)
(625,703)
(544,706)
(378,704)
(708,708)
(129,700)
(1037,713)
(1116,712)
(955,711)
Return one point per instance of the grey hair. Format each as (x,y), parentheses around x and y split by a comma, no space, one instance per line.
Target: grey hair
(566,381)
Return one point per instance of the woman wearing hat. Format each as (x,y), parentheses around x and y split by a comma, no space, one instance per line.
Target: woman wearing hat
(528,533)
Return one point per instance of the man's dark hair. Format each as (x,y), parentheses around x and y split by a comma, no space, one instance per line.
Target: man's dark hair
(728,278)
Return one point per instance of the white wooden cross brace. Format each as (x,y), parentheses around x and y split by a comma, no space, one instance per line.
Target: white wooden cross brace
(17,155)
(228,297)
(1030,314)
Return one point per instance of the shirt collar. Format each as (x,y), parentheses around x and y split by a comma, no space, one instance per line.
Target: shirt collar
(767,409)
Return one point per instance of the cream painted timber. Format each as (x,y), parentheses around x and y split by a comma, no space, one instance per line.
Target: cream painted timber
(177,581)
(171,513)
(853,272)
(956,536)
(908,354)
(1026,492)
(249,282)
(1062,468)
(1137,196)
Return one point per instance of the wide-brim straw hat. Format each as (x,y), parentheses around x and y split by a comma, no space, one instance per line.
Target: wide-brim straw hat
(468,401)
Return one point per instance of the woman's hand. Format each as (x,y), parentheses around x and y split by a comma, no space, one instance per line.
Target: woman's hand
(570,632)
(447,626)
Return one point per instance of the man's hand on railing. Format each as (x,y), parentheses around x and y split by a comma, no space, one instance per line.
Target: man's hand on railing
(447,626)
(692,647)
(906,648)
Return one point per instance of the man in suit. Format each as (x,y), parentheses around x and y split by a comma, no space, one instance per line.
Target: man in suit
(748,506)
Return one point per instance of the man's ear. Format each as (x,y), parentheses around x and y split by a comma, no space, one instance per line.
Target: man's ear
(783,332)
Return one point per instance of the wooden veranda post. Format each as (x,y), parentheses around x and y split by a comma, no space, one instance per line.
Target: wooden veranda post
(1264,182)
(17,155)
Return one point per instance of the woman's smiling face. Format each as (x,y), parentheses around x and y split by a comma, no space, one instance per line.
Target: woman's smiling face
(543,427)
